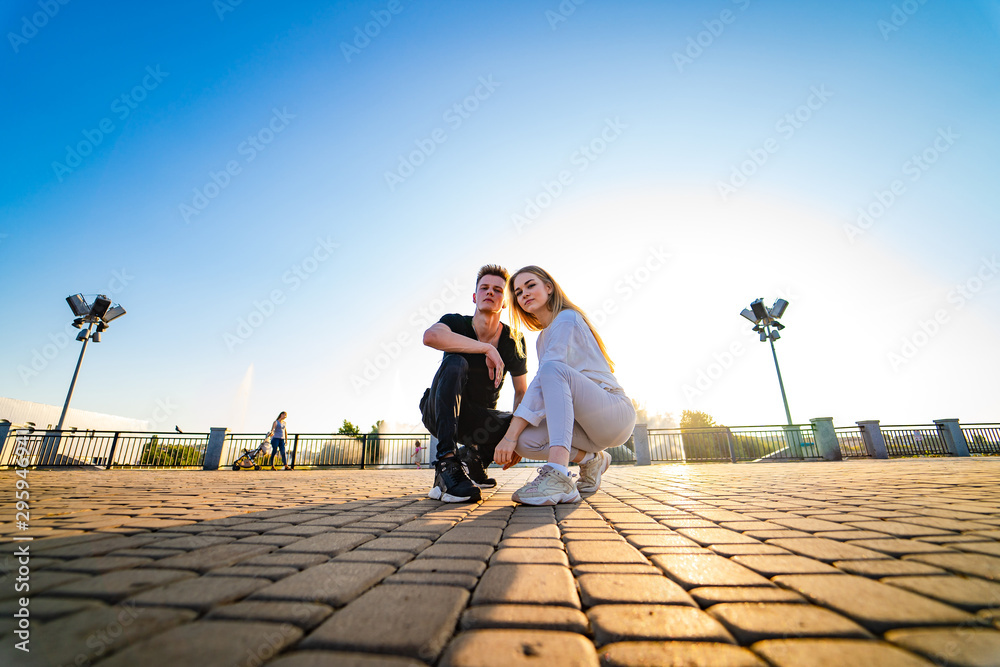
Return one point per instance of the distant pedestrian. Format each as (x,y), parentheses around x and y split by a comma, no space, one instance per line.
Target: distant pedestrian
(417,448)
(277,434)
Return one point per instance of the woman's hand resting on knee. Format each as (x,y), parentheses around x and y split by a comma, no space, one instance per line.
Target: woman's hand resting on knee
(505,455)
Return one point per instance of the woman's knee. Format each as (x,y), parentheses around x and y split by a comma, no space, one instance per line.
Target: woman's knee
(554,369)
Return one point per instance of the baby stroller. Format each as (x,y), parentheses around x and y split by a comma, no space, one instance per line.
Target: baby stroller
(248,459)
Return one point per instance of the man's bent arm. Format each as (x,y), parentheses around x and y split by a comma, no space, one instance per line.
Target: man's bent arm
(440,337)
(520,386)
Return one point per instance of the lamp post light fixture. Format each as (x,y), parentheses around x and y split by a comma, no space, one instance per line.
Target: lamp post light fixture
(99,315)
(765,322)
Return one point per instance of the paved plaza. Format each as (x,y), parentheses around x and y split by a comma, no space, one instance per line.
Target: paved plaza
(787,564)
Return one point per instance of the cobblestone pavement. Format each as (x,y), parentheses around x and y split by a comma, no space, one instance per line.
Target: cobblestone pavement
(786,564)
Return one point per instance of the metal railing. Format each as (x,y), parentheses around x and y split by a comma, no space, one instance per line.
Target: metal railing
(982,438)
(734,443)
(308,450)
(914,440)
(108,449)
(852,443)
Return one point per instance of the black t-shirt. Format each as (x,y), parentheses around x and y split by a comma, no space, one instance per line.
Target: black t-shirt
(479,388)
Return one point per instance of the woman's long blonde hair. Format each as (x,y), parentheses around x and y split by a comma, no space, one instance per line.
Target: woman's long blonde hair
(558,302)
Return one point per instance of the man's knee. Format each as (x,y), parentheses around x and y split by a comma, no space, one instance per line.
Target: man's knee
(454,363)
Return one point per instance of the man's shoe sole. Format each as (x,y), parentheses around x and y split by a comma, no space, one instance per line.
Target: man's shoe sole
(488,484)
(549,500)
(437,494)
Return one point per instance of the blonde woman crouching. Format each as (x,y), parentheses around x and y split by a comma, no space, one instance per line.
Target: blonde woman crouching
(574,408)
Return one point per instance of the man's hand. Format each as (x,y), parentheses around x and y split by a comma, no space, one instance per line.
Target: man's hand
(505,455)
(495,365)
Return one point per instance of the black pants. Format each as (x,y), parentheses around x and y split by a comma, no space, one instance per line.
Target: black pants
(452,421)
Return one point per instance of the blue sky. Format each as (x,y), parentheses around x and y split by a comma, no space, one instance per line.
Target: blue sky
(282,204)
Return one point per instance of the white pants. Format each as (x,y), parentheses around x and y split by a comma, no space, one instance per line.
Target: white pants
(579,415)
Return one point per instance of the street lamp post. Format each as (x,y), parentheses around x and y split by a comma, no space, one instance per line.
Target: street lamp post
(765,321)
(99,315)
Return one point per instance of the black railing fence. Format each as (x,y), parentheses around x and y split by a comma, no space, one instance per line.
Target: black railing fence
(131,449)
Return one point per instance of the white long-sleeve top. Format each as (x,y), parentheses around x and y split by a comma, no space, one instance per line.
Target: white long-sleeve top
(567,339)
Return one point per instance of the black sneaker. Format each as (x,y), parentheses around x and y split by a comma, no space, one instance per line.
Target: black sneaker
(475,468)
(452,484)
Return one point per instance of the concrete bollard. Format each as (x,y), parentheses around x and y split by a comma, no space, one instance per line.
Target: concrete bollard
(640,438)
(213,453)
(826,438)
(874,442)
(954,439)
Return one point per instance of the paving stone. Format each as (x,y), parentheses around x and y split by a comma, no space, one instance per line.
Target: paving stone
(87,635)
(899,529)
(143,552)
(688,654)
(92,546)
(615,568)
(639,541)
(988,548)
(474,568)
(519,648)
(649,622)
(98,564)
(458,579)
(209,643)
(422,619)
(276,540)
(527,584)
(300,531)
(603,552)
(342,659)
(591,536)
(968,594)
(955,647)
(847,535)
(985,567)
(876,569)
(598,589)
(750,622)
(476,551)
(334,583)
(877,606)
(114,586)
(691,571)
(329,544)
(807,525)
(412,544)
(899,547)
(305,615)
(286,559)
(776,534)
(825,550)
(210,558)
(835,653)
(530,543)
(708,536)
(524,616)
(192,542)
(395,558)
(771,566)
(542,556)
(758,549)
(548,530)
(471,535)
(200,594)
(707,596)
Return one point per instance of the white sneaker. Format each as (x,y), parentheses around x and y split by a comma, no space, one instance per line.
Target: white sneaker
(591,471)
(548,488)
